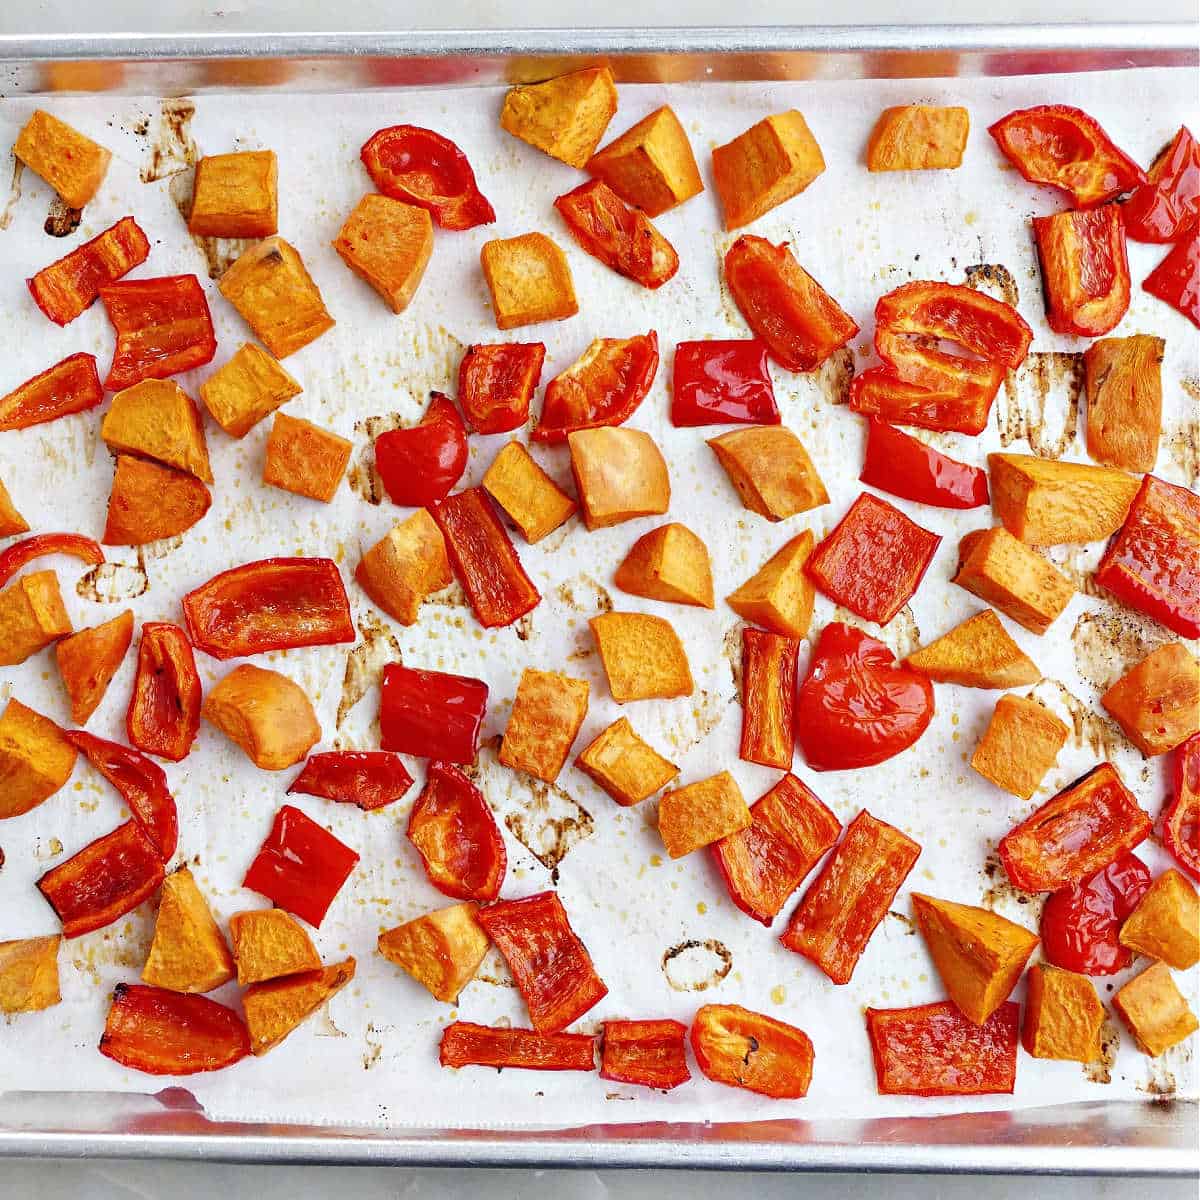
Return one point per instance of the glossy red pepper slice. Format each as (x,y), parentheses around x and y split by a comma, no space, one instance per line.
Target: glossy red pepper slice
(142,784)
(271,604)
(301,867)
(1176,280)
(1160,209)
(1063,147)
(768,697)
(645,1053)
(604,386)
(163,717)
(745,1049)
(106,879)
(957,405)
(370,779)
(468,1045)
(457,837)
(68,387)
(419,465)
(71,285)
(20,553)
(497,382)
(163,327)
(421,167)
(933,1050)
(1181,817)
(431,714)
(898,463)
(1081,922)
(873,560)
(722,383)
(550,965)
(1085,270)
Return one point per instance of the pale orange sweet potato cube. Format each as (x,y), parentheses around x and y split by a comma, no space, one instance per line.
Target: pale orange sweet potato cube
(11,521)
(305,459)
(979,653)
(35,759)
(1007,574)
(269,943)
(1020,744)
(73,165)
(88,660)
(1123,382)
(627,768)
(528,279)
(236,195)
(1166,923)
(701,813)
(669,563)
(1157,702)
(619,474)
(249,387)
(546,716)
(441,950)
(266,714)
(273,1009)
(532,500)
(32,616)
(158,419)
(388,243)
(651,164)
(779,596)
(1155,1010)
(149,502)
(276,296)
(565,117)
(770,163)
(918,137)
(189,952)
(29,974)
(771,470)
(1063,1015)
(642,655)
(405,566)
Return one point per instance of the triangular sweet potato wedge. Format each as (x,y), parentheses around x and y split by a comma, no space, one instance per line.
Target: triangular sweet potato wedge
(779,596)
(269,943)
(188,953)
(274,1009)
(669,563)
(88,660)
(978,653)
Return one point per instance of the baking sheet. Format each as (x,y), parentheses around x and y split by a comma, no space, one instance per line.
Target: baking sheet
(663,935)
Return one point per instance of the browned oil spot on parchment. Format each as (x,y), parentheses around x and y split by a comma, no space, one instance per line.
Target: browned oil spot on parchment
(1100,1071)
(910,926)
(995,280)
(494,970)
(451,596)
(1089,730)
(585,595)
(1161,1083)
(149,551)
(172,148)
(708,712)
(1000,896)
(14,194)
(833,376)
(62,220)
(1183,441)
(523,627)
(364,478)
(427,360)
(1107,644)
(219,253)
(731,651)
(365,662)
(113,582)
(374,1048)
(696,966)
(1039,403)
(1078,564)
(123,946)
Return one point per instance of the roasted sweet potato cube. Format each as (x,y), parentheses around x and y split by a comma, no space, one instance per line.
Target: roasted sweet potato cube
(32,616)
(405,566)
(73,165)
(1020,744)
(11,521)
(269,943)
(546,715)
(770,163)
(619,474)
(1155,1010)
(701,813)
(29,974)
(532,500)
(1005,573)
(669,563)
(528,279)
(651,164)
(305,459)
(388,243)
(249,387)
(266,714)
(918,137)
(977,653)
(1123,381)
(275,1008)
(626,767)
(779,596)
(771,470)
(88,660)
(149,502)
(158,419)
(275,295)
(441,950)
(642,655)
(188,953)
(1166,923)
(35,759)
(236,195)
(565,117)
(1063,1015)
(1157,702)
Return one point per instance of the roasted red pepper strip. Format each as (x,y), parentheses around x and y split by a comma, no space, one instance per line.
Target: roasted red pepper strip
(1176,280)
(933,1050)
(1153,563)
(620,236)
(801,324)
(431,714)
(163,327)
(68,387)
(550,965)
(1085,270)
(604,386)
(163,717)
(20,553)
(483,558)
(768,697)
(168,1033)
(956,406)
(874,560)
(745,1049)
(898,463)
(142,784)
(71,285)
(765,863)
(104,881)
(424,168)
(369,778)
(1065,148)
(1081,922)
(722,383)
(1163,207)
(467,1045)
(646,1053)
(301,867)
(457,837)
(851,895)
(497,382)
(1181,817)
(1086,826)
(272,604)
(420,464)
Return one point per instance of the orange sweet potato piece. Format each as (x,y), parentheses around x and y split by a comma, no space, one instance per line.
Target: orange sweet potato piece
(528,279)
(642,655)
(619,474)
(88,660)
(1020,744)
(771,470)
(918,137)
(32,616)
(1063,1015)
(249,387)
(701,813)
(388,243)
(35,759)
(651,164)
(275,1008)
(73,165)
(236,195)
(305,459)
(779,596)
(669,563)
(269,943)
(626,767)
(1155,1010)
(11,521)
(157,419)
(149,502)
(441,950)
(405,566)
(566,116)
(977,653)
(1123,380)
(546,716)
(1166,923)
(29,974)
(1005,573)
(532,500)
(266,714)
(188,953)
(1157,702)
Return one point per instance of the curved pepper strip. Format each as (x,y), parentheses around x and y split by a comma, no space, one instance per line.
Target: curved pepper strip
(419,465)
(645,1053)
(719,382)
(1085,270)
(370,779)
(906,467)
(163,717)
(465,1044)
(954,406)
(68,387)
(21,553)
(1163,207)
(1176,280)
(746,1049)
(431,714)
(497,382)
(1181,817)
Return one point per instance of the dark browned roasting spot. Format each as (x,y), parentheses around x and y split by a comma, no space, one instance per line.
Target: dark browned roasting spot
(687,970)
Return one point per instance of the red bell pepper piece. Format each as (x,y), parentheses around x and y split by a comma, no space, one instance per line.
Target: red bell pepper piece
(71,285)
(746,1049)
(106,879)
(68,387)
(722,383)
(768,697)
(851,895)
(933,1050)
(163,717)
(20,553)
(1081,922)
(620,236)
(457,837)
(765,863)
(604,386)
(1153,563)
(957,406)
(550,965)
(160,1032)
(646,1053)
(497,382)
(468,1045)
(163,327)
(1063,147)
(369,778)
(1160,209)
(272,604)
(483,558)
(420,464)
(874,560)
(431,714)
(1181,817)
(1085,270)
(1086,826)
(301,867)
(142,784)
(801,324)
(898,463)
(1176,280)
(424,168)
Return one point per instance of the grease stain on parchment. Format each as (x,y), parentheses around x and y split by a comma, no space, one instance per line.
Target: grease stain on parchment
(731,651)
(494,970)
(1100,1071)
(1107,644)
(113,582)
(172,148)
(14,194)
(364,664)
(995,280)
(695,965)
(1089,730)
(61,220)
(1161,1083)
(1039,403)
(1078,564)
(363,477)
(1182,442)
(708,712)
(585,595)
(832,378)
(1000,896)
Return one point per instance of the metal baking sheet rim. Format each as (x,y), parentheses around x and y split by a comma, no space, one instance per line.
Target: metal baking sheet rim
(1101,1138)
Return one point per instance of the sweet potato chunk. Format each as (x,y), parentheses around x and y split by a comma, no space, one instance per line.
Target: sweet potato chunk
(532,500)
(441,950)
(249,387)
(73,165)
(977,653)
(266,714)
(388,243)
(1063,1015)
(88,660)
(528,279)
(35,759)
(158,419)
(11,521)
(546,715)
(669,563)
(29,974)
(771,470)
(188,953)
(236,195)
(269,943)
(1020,744)
(651,164)
(305,459)
(275,1008)
(405,566)
(1166,923)
(1123,378)
(1005,573)
(32,616)
(642,655)
(566,116)
(626,767)
(918,137)
(1157,702)
(619,474)
(149,502)
(779,596)
(701,813)
(1155,1010)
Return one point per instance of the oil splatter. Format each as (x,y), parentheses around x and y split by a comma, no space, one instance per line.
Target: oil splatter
(494,970)
(62,220)
(323,1025)
(374,1048)
(1040,403)
(1100,1071)
(707,714)
(995,280)
(585,595)
(731,649)
(523,627)
(1183,442)
(172,147)
(1000,896)
(1161,1084)
(696,966)
(833,376)
(1078,564)
(451,596)
(113,582)
(364,663)
(1107,644)
(910,926)
(363,477)
(14,194)
(1089,730)
(159,549)
(219,253)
